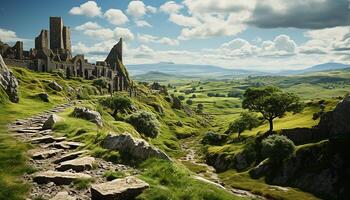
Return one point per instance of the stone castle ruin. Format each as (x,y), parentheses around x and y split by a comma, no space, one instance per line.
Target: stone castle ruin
(53,52)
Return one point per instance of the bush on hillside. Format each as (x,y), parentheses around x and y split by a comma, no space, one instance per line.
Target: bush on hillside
(213,138)
(116,103)
(277,147)
(100,82)
(145,123)
(189,102)
(181,97)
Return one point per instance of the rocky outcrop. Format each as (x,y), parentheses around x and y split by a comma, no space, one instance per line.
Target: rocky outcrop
(320,168)
(336,123)
(87,114)
(8,82)
(51,121)
(55,86)
(44,154)
(137,148)
(44,97)
(120,189)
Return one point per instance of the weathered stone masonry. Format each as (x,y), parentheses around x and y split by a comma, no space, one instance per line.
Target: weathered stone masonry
(53,52)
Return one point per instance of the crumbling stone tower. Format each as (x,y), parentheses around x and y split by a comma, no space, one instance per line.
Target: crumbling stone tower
(66,38)
(42,41)
(56,30)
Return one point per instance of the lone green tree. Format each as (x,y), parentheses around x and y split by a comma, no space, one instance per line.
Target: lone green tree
(271,102)
(246,121)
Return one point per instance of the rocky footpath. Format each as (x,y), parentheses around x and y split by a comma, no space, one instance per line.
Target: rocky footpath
(8,82)
(64,170)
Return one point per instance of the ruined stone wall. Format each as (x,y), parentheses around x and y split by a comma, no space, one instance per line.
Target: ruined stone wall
(66,38)
(42,41)
(56,36)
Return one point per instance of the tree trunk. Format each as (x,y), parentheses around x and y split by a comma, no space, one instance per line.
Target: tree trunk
(271,125)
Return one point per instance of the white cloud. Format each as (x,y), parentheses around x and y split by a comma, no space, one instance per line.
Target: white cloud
(89,9)
(8,36)
(151,9)
(214,6)
(136,9)
(116,17)
(142,23)
(171,7)
(88,26)
(102,33)
(145,38)
(124,33)
(182,20)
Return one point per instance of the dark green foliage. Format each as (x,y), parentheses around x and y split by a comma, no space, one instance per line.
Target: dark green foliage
(146,123)
(277,147)
(116,103)
(235,93)
(213,138)
(247,121)
(194,96)
(100,82)
(181,97)
(211,94)
(200,107)
(189,102)
(111,175)
(271,102)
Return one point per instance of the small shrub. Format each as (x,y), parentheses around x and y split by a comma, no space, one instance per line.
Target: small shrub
(146,123)
(116,103)
(83,183)
(181,97)
(189,102)
(111,175)
(277,147)
(101,82)
(213,138)
(211,94)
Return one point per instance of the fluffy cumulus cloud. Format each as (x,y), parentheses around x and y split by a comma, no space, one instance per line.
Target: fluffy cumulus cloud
(145,38)
(138,9)
(171,7)
(123,33)
(88,26)
(89,9)
(8,36)
(142,23)
(116,17)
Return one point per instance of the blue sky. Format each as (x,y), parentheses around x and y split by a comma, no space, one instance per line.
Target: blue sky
(248,34)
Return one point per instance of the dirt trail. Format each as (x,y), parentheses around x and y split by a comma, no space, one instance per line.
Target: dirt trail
(208,174)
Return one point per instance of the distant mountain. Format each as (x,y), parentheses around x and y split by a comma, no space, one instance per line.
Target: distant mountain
(160,76)
(317,68)
(188,70)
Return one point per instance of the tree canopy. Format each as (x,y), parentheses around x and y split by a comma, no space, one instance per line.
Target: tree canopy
(246,121)
(271,102)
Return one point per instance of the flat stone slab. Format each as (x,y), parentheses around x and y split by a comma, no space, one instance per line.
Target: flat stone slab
(63,196)
(78,164)
(44,139)
(59,178)
(26,131)
(70,156)
(37,155)
(67,145)
(118,189)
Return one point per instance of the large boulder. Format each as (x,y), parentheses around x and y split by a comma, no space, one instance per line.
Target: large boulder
(55,86)
(8,82)
(51,121)
(336,123)
(87,114)
(137,148)
(78,164)
(120,189)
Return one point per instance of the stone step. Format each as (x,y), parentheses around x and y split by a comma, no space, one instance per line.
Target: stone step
(118,189)
(44,154)
(63,195)
(66,145)
(47,139)
(78,164)
(59,178)
(70,156)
